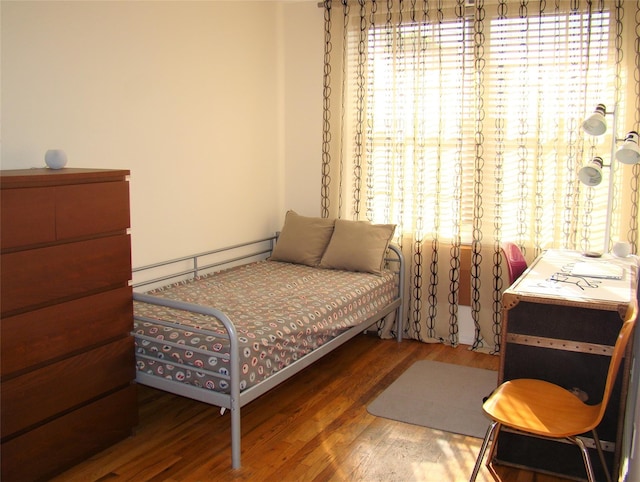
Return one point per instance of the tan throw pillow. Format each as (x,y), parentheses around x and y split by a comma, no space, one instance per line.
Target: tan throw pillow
(358,246)
(303,239)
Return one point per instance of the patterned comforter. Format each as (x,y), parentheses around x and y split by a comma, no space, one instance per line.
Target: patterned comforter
(281,311)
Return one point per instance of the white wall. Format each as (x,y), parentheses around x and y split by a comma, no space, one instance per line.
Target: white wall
(303,52)
(197,99)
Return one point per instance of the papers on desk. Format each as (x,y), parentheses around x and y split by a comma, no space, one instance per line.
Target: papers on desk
(597,269)
(570,276)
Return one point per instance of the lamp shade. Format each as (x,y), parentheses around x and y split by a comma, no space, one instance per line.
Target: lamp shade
(596,123)
(629,152)
(591,174)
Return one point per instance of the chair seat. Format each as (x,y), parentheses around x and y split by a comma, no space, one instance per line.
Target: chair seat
(540,408)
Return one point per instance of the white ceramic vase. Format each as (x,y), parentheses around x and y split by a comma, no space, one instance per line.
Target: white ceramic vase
(55,158)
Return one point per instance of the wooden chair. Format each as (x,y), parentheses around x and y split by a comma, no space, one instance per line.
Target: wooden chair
(516,263)
(546,410)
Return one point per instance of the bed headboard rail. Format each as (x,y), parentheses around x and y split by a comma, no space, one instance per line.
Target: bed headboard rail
(191,266)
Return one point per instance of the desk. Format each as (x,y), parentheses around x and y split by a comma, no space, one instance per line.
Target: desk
(561,327)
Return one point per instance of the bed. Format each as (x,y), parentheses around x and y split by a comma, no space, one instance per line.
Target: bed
(225,326)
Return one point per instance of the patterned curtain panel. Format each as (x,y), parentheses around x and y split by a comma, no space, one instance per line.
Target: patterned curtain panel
(461,123)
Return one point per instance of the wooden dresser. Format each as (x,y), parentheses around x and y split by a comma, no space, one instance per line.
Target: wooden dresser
(67,358)
(561,320)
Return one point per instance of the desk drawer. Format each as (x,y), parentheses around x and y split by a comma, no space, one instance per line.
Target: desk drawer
(565,322)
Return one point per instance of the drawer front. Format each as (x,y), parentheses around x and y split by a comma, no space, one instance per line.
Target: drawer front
(90,209)
(44,276)
(27,217)
(66,441)
(38,395)
(562,322)
(34,337)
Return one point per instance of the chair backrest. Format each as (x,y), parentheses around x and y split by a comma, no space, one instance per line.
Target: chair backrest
(516,263)
(616,358)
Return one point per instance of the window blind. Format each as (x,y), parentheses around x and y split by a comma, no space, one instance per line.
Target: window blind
(411,94)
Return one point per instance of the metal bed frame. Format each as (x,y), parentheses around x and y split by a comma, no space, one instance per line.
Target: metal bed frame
(191,266)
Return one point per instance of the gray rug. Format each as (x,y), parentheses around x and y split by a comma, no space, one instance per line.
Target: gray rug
(438,395)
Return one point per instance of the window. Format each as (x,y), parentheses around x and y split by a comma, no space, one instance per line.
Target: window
(419,151)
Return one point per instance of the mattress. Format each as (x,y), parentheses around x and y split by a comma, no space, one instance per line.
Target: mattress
(281,311)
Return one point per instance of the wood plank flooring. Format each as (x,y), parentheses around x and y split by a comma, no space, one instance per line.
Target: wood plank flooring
(314,427)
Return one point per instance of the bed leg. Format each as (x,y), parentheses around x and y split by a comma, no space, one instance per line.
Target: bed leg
(399,323)
(235,435)
(234,374)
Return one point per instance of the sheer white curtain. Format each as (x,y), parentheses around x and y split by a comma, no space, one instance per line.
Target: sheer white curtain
(462,125)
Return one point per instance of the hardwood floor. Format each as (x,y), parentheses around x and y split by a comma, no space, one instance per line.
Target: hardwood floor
(314,427)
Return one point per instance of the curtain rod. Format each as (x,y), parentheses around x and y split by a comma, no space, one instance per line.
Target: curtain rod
(467,3)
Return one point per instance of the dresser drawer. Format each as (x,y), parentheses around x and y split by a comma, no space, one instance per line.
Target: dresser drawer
(66,441)
(37,216)
(90,209)
(38,395)
(27,217)
(38,277)
(57,331)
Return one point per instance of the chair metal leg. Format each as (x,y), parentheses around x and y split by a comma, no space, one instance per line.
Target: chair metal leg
(483,449)
(492,450)
(596,439)
(585,456)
